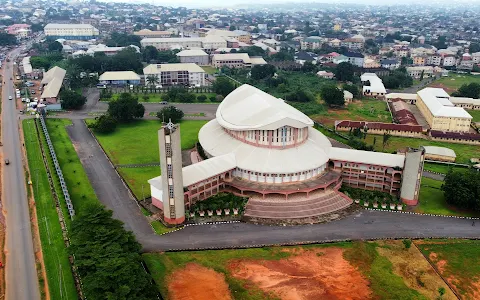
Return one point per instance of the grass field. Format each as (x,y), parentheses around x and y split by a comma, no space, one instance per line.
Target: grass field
(137,142)
(363,110)
(60,279)
(136,177)
(457,261)
(80,189)
(157,97)
(209,70)
(432,201)
(464,152)
(454,81)
(475,114)
(441,168)
(382,270)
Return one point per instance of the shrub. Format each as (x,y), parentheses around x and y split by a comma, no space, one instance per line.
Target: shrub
(201,98)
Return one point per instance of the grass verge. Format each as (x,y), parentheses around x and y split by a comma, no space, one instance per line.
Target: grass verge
(160,228)
(60,279)
(136,177)
(458,262)
(432,201)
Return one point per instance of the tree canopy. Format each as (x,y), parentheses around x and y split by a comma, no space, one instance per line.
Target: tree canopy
(469,90)
(462,189)
(55,46)
(179,94)
(108,257)
(125,108)
(332,95)
(170,113)
(352,89)
(223,86)
(122,39)
(7,39)
(262,71)
(300,96)
(104,124)
(397,79)
(474,47)
(71,100)
(344,71)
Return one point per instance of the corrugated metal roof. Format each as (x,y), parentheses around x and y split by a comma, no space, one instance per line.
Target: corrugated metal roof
(439,151)
(438,103)
(119,75)
(157,69)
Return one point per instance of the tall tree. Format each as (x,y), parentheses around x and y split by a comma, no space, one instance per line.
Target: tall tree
(152,79)
(71,100)
(55,46)
(125,108)
(385,139)
(108,257)
(223,86)
(170,113)
(470,90)
(332,95)
(149,53)
(462,189)
(344,71)
(262,71)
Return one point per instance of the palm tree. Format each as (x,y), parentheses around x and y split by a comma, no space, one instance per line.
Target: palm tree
(386,137)
(152,79)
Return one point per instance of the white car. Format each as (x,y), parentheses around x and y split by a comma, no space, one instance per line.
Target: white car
(10,97)
(35,99)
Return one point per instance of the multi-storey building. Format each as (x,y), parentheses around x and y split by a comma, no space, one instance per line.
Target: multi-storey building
(260,147)
(70,31)
(311,43)
(236,60)
(416,72)
(434,59)
(449,61)
(355,58)
(147,33)
(440,113)
(183,74)
(419,60)
(21,31)
(198,57)
(208,44)
(476,57)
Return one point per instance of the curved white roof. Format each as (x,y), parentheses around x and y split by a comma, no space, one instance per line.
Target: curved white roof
(248,108)
(439,151)
(313,153)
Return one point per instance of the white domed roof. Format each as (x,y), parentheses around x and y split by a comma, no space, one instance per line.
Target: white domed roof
(248,108)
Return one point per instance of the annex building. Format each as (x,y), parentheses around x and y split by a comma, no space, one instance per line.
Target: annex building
(263,148)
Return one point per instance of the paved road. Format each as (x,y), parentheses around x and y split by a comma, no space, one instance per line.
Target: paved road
(105,181)
(363,225)
(434,176)
(21,276)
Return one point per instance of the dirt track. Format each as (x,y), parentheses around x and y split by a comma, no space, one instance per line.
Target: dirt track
(310,275)
(195,282)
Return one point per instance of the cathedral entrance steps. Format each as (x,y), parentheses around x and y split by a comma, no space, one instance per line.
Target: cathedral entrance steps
(328,203)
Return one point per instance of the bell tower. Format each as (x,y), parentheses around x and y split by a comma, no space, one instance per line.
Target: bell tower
(172,177)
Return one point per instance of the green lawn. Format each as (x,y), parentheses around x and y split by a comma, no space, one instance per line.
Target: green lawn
(209,70)
(454,81)
(80,189)
(364,256)
(460,263)
(136,177)
(60,279)
(363,110)
(475,114)
(137,142)
(160,228)
(158,97)
(464,152)
(441,168)
(432,201)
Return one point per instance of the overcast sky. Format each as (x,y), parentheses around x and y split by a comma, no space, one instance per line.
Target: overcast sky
(229,3)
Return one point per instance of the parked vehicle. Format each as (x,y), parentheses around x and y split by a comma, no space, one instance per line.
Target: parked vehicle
(32,92)
(10,97)
(164,102)
(7,162)
(101,86)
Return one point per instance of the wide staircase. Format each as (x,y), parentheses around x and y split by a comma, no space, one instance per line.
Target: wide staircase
(297,206)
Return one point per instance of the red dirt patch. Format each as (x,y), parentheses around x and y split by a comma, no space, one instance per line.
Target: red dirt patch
(195,282)
(310,275)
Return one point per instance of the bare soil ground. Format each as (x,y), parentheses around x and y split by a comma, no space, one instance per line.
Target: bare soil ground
(449,90)
(308,275)
(195,282)
(416,272)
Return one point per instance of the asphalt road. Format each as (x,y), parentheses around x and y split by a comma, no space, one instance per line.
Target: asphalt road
(363,225)
(21,275)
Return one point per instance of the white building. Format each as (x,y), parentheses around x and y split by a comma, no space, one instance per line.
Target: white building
(449,61)
(187,74)
(375,87)
(207,43)
(416,72)
(435,59)
(236,60)
(70,31)
(195,56)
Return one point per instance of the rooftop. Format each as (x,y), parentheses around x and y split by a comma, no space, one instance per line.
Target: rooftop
(192,52)
(439,151)
(158,68)
(438,103)
(119,75)
(248,108)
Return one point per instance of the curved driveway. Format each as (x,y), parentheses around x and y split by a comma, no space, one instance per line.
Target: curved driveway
(363,225)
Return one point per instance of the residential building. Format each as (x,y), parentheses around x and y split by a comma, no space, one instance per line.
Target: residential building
(301,57)
(402,52)
(419,60)
(335,43)
(373,85)
(449,61)
(325,74)
(183,74)
(347,97)
(434,59)
(70,31)
(101,48)
(236,60)
(119,78)
(416,72)
(311,43)
(356,42)
(440,113)
(370,63)
(271,150)
(52,82)
(476,57)
(147,33)
(355,58)
(339,59)
(198,57)
(240,35)
(21,31)
(390,64)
